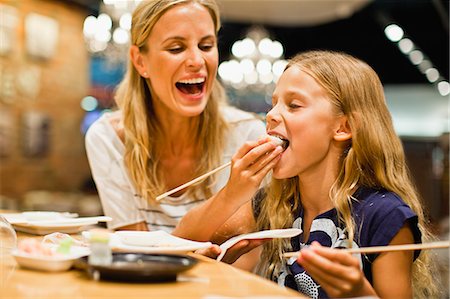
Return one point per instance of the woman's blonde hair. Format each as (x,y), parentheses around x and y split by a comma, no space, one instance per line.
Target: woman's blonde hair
(374,158)
(142,130)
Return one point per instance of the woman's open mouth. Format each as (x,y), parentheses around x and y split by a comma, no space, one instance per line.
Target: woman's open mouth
(191,86)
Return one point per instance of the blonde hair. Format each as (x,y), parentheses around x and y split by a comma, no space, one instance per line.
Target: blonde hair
(141,126)
(374,158)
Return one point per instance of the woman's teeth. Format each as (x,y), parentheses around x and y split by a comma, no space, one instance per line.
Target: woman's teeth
(192,81)
(191,86)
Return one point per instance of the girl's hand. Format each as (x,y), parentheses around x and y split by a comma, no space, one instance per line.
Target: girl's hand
(234,252)
(250,165)
(337,272)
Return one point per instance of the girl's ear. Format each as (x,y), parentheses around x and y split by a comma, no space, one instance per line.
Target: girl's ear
(343,132)
(138,61)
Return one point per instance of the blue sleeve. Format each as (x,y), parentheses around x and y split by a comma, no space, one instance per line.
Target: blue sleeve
(381,216)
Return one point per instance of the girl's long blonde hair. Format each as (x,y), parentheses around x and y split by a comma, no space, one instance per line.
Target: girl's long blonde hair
(375,158)
(142,129)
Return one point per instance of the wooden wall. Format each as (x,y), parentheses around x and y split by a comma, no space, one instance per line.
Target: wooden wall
(60,83)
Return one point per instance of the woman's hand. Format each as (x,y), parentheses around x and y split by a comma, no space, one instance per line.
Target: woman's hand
(250,165)
(337,272)
(234,252)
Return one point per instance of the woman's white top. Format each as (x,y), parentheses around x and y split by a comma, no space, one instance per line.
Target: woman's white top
(105,153)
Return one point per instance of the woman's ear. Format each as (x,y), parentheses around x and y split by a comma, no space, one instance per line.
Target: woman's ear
(343,132)
(138,61)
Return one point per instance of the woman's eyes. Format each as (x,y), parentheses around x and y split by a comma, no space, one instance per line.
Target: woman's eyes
(206,47)
(203,47)
(175,50)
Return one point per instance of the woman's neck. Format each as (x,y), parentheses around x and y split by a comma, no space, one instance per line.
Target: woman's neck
(178,133)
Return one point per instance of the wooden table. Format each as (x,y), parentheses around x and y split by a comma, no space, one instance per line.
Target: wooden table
(207,278)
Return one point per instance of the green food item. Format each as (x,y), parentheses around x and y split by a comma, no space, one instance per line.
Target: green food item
(99,236)
(64,246)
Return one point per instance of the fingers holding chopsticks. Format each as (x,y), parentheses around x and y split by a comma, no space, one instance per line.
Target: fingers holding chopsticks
(252,162)
(337,272)
(254,156)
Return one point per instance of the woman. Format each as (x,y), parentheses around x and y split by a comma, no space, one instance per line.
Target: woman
(173,123)
(343,180)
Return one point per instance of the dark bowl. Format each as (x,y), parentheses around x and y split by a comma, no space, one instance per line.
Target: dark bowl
(140,267)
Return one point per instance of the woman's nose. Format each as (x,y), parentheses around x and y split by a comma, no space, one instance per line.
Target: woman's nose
(195,59)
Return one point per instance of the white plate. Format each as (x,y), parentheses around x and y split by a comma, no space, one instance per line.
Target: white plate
(264,234)
(47,228)
(25,217)
(151,242)
(43,223)
(57,263)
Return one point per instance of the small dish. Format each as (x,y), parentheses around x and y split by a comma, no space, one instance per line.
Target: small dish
(144,238)
(37,228)
(153,242)
(60,222)
(57,263)
(138,267)
(42,215)
(264,234)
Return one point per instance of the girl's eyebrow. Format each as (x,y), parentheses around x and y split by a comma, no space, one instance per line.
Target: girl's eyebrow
(293,93)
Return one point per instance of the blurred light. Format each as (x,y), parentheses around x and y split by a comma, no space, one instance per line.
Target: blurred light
(424,65)
(277,49)
(416,57)
(251,78)
(248,46)
(405,45)
(265,46)
(125,21)
(108,35)
(90,26)
(432,74)
(89,103)
(278,67)
(394,32)
(444,88)
(263,67)
(257,61)
(104,21)
(237,50)
(120,36)
(247,66)
(266,78)
(103,36)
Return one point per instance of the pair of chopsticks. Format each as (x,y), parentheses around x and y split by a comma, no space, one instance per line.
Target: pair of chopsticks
(379,249)
(194,181)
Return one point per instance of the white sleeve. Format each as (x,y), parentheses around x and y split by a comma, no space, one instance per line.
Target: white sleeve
(117,195)
(256,130)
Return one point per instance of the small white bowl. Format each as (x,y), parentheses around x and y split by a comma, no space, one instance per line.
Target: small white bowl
(56,263)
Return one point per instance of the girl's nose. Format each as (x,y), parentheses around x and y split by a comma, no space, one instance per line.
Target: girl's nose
(273,116)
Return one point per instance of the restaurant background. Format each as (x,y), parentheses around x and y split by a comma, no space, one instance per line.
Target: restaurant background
(53,85)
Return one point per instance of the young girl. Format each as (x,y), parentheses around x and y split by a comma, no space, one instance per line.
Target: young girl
(342,179)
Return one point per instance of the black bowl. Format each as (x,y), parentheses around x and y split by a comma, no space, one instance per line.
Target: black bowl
(140,267)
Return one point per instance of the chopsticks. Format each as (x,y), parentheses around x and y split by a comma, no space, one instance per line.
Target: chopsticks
(196,180)
(376,249)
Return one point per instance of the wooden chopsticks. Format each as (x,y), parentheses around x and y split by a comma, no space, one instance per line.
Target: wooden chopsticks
(374,249)
(196,180)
